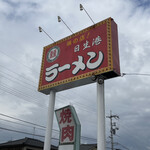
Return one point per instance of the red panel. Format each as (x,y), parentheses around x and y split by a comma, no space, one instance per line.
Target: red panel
(74,59)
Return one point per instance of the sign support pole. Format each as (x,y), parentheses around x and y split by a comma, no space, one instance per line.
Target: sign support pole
(48,134)
(100,115)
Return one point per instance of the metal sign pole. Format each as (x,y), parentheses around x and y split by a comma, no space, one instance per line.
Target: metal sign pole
(100,115)
(48,134)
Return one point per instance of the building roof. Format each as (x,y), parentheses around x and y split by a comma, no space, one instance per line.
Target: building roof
(39,144)
(87,146)
(25,142)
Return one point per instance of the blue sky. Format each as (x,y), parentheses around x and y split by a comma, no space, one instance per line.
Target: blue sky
(21,54)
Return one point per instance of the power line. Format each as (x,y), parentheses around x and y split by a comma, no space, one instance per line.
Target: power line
(88,138)
(16,80)
(16,90)
(130,74)
(122,145)
(16,60)
(25,133)
(136,74)
(21,132)
(79,104)
(15,73)
(27,98)
(128,132)
(20,124)
(22,120)
(21,95)
(55,130)
(112,124)
(32,95)
(83,106)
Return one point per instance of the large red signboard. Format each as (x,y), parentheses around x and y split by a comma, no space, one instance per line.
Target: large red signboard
(71,61)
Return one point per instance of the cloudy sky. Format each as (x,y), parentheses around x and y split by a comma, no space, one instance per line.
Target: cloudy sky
(21,47)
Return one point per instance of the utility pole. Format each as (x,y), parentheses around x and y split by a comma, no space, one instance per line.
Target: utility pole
(113,127)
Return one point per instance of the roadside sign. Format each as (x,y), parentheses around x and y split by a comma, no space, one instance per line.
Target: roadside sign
(72,61)
(70,128)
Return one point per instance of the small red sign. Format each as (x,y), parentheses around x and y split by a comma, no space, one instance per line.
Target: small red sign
(66,124)
(71,61)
